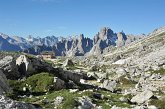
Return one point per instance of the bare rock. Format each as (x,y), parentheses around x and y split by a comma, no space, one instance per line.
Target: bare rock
(4,87)
(58,83)
(29,65)
(109,85)
(142,97)
(7,103)
(58,101)
(85,103)
(68,62)
(9,68)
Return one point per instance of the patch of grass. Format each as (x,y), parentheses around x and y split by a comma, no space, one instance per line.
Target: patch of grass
(30,56)
(41,82)
(114,100)
(17,87)
(158,103)
(125,83)
(161,71)
(72,68)
(68,103)
(38,83)
(49,62)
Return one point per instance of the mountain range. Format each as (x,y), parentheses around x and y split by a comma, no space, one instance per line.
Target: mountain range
(80,45)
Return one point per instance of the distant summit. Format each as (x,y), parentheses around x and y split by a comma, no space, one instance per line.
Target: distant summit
(71,46)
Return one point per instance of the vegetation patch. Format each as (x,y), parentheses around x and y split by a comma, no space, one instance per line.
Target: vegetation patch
(158,103)
(40,82)
(161,71)
(35,84)
(125,83)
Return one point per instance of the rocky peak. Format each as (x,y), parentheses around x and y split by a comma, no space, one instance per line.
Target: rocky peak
(30,38)
(96,38)
(121,36)
(81,36)
(105,33)
(158,31)
(4,36)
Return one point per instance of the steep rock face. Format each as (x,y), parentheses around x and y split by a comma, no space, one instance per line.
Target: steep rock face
(21,42)
(121,38)
(76,46)
(15,68)
(105,33)
(4,87)
(37,49)
(105,38)
(7,46)
(47,41)
(29,65)
(157,31)
(9,68)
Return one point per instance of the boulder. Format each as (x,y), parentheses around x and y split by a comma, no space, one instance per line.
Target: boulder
(123,99)
(120,62)
(142,97)
(71,85)
(115,107)
(97,75)
(139,107)
(109,85)
(68,62)
(92,75)
(93,68)
(152,107)
(58,83)
(9,68)
(73,76)
(85,103)
(98,96)
(28,65)
(7,103)
(120,72)
(58,101)
(24,65)
(102,75)
(73,90)
(4,87)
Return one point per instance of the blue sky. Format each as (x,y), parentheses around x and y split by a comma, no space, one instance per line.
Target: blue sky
(73,17)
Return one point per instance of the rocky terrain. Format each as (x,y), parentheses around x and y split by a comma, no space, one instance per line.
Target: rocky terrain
(122,73)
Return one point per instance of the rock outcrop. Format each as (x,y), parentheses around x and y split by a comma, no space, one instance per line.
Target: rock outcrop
(109,85)
(29,65)
(4,87)
(7,103)
(58,84)
(68,62)
(9,68)
(142,97)
(86,103)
